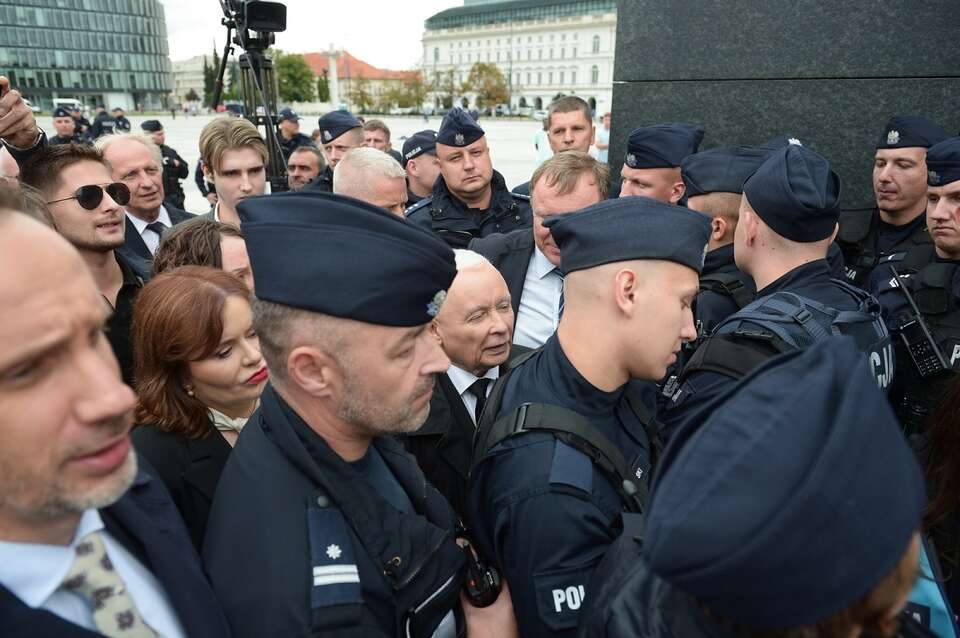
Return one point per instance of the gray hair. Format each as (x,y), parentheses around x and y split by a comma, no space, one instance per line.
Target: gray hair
(106,141)
(353,174)
(468,259)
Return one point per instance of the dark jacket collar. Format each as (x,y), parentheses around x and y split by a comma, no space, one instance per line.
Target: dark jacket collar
(811,273)
(442,194)
(564,379)
(719,260)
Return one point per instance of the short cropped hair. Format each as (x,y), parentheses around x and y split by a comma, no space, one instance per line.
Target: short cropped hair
(309,148)
(569,104)
(564,170)
(467,259)
(352,174)
(42,171)
(377,125)
(195,242)
(106,141)
(229,134)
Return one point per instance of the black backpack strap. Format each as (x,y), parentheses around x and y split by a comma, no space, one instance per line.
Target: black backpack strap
(728,284)
(650,426)
(735,354)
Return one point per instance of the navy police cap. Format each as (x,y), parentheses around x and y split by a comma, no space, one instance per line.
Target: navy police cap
(943,162)
(419,143)
(61,112)
(458,129)
(287,114)
(904,131)
(792,498)
(779,141)
(796,194)
(721,170)
(629,228)
(336,123)
(152,126)
(662,145)
(339,256)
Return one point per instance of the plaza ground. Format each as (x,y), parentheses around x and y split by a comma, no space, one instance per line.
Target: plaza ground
(511,143)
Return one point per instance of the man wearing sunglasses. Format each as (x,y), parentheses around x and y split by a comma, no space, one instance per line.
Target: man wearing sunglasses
(87,209)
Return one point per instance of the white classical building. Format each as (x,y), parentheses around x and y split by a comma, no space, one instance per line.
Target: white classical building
(544,48)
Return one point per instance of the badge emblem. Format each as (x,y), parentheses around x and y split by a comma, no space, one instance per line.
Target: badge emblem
(458,139)
(631,160)
(327,136)
(795,141)
(334,552)
(433,308)
(933,178)
(893,137)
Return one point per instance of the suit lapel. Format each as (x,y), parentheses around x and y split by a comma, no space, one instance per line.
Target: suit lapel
(514,269)
(133,241)
(208,456)
(460,428)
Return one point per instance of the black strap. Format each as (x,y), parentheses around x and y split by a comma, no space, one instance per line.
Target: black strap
(734,355)
(728,284)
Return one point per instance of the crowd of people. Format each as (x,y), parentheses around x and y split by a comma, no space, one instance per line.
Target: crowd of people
(695,399)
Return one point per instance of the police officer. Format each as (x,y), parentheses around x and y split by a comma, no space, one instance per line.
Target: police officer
(175,167)
(121,123)
(358,544)
(536,504)
(82,123)
(651,166)
(420,161)
(470,199)
(898,224)
(103,123)
(926,364)
(340,132)
(66,128)
(788,217)
(290,136)
(793,509)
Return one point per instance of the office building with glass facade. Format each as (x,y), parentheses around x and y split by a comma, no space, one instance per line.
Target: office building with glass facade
(111,52)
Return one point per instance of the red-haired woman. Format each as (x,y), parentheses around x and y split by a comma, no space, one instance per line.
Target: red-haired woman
(199,375)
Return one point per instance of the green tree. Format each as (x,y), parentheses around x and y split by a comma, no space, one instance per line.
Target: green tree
(210,77)
(192,96)
(444,84)
(231,88)
(323,87)
(415,91)
(294,77)
(360,95)
(488,83)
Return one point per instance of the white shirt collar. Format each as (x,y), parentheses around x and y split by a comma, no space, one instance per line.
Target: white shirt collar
(540,264)
(34,571)
(462,380)
(140,225)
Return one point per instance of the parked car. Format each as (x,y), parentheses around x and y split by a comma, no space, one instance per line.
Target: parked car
(539,115)
(502,109)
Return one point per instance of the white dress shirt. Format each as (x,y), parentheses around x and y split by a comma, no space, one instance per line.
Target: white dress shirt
(539,310)
(34,573)
(150,238)
(462,380)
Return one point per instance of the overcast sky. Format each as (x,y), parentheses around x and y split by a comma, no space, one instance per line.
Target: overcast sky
(385,33)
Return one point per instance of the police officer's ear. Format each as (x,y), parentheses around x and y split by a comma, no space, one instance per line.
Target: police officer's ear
(678,189)
(719,227)
(626,289)
(314,372)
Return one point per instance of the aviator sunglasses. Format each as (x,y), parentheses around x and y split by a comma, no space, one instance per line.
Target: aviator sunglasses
(90,196)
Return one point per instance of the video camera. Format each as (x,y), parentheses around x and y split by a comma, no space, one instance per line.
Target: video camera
(257,16)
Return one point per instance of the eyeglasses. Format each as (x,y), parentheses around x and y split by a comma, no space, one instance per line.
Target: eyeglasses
(90,196)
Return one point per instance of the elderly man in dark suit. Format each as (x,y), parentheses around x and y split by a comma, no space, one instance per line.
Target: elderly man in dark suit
(529,261)
(90,544)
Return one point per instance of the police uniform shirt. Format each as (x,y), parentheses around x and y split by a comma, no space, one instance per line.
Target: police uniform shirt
(539,310)
(150,237)
(35,571)
(463,380)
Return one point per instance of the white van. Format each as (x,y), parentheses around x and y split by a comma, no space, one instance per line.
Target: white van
(67,103)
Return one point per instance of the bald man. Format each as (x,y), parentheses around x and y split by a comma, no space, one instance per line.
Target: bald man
(372,176)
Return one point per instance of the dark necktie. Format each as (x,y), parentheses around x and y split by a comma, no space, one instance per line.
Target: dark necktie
(560,310)
(479,390)
(158,227)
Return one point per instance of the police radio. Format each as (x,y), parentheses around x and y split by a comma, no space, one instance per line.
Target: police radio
(482,584)
(916,335)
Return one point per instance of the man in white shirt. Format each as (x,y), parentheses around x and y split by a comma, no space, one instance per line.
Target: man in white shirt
(89,544)
(530,262)
(474,328)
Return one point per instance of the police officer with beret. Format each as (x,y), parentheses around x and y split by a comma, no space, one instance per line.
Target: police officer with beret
(788,217)
(83,124)
(792,509)
(175,168)
(544,504)
(121,123)
(898,224)
(651,166)
(340,132)
(66,128)
(290,136)
(420,161)
(470,199)
(322,525)
(927,360)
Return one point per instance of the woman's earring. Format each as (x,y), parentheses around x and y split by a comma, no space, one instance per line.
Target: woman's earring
(189,390)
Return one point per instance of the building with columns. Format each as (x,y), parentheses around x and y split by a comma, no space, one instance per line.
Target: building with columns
(543,48)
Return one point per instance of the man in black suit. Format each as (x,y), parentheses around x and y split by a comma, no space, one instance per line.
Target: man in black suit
(528,260)
(474,327)
(137,161)
(90,544)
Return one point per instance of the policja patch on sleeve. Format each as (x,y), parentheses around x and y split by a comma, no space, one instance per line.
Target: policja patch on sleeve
(561,593)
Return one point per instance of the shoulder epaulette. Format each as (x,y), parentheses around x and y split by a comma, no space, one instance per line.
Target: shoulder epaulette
(423,202)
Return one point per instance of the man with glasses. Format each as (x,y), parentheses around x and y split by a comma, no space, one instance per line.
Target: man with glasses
(87,208)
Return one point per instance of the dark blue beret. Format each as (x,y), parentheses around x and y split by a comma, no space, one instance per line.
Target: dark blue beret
(721,170)
(419,143)
(151,126)
(339,256)
(662,145)
(630,228)
(61,112)
(943,162)
(792,497)
(796,194)
(458,129)
(287,114)
(779,141)
(336,123)
(904,131)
